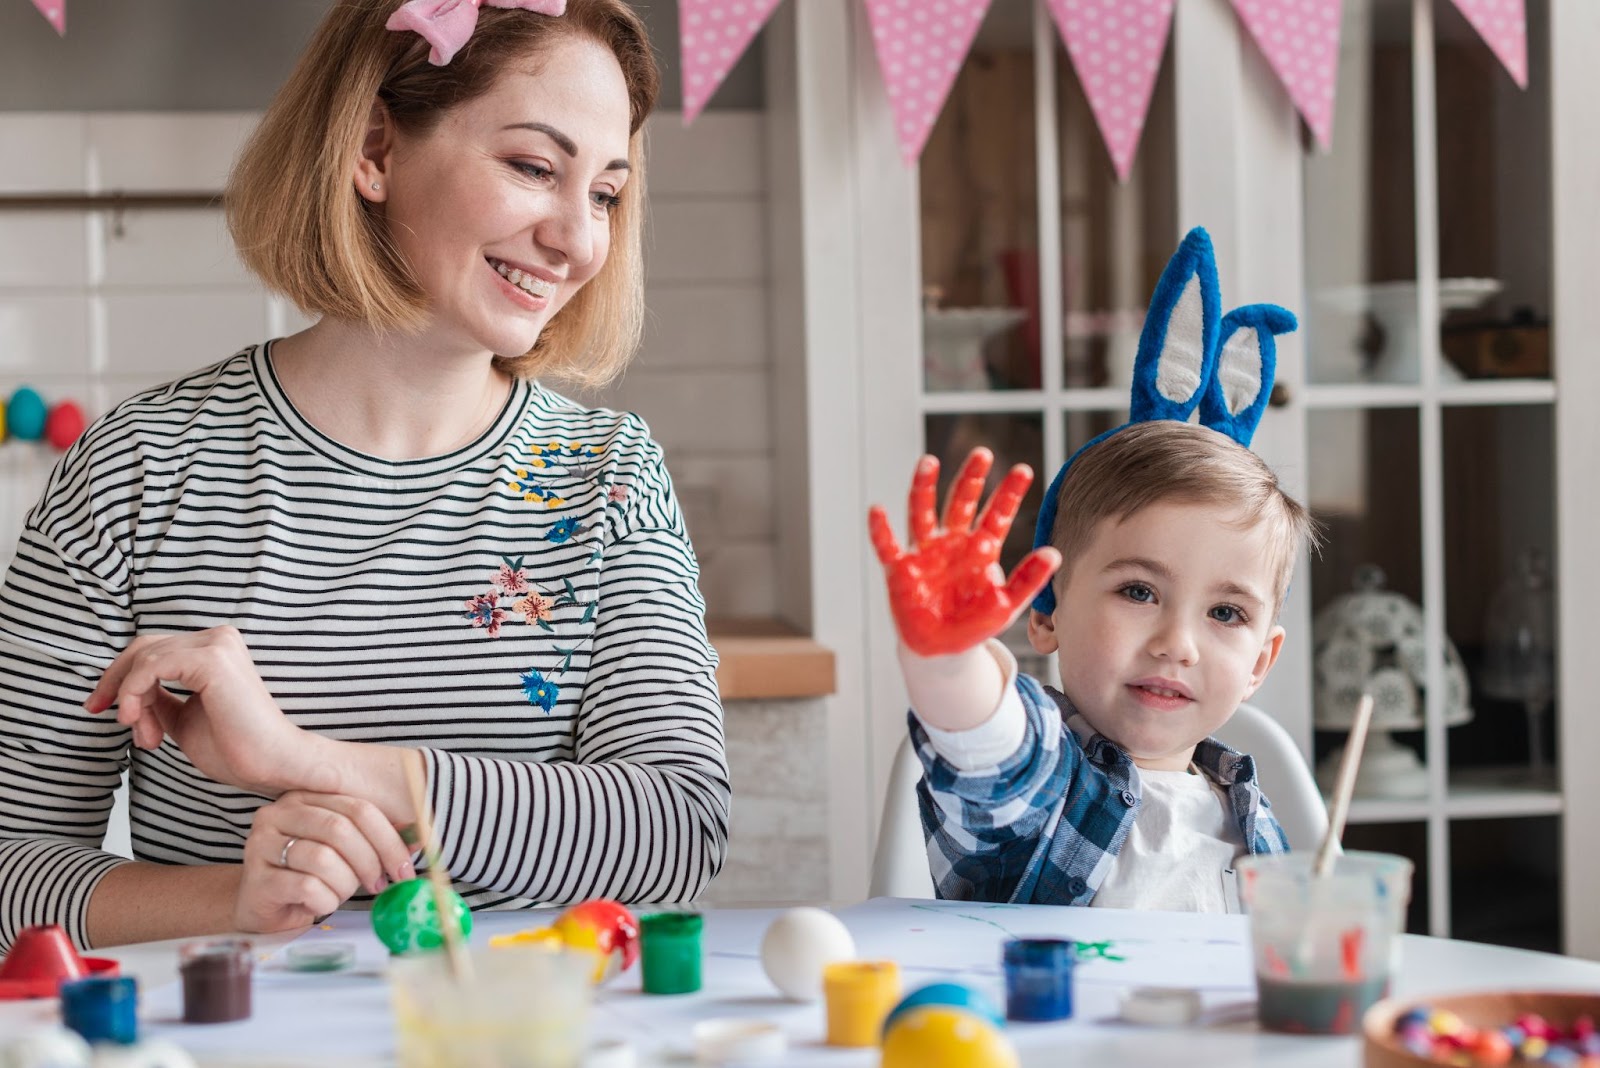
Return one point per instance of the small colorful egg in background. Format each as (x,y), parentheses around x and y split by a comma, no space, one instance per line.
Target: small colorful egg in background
(26,414)
(64,425)
(601,927)
(606,928)
(406,920)
(799,945)
(941,1036)
(953,995)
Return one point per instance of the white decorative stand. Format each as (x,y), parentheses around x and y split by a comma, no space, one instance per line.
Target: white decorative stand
(952,344)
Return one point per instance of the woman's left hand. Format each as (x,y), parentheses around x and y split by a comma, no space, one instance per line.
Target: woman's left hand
(230,728)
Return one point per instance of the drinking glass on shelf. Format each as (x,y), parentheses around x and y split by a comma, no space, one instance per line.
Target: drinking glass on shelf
(1519,649)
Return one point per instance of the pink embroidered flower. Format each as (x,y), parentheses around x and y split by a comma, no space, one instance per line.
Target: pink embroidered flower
(617,494)
(485,612)
(511,580)
(535,608)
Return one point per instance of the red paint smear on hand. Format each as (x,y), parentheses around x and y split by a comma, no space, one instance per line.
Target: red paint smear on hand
(946,590)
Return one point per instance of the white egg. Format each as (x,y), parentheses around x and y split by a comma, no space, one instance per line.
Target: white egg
(55,1048)
(151,1054)
(798,945)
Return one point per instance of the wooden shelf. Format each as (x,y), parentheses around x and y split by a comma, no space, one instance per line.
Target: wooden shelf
(765,659)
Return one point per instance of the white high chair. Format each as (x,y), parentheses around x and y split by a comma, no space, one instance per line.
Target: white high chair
(900,864)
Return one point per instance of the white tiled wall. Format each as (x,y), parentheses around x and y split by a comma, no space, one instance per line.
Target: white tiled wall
(704,378)
(95,307)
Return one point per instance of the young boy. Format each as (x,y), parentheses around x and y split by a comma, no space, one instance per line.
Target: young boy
(1175,546)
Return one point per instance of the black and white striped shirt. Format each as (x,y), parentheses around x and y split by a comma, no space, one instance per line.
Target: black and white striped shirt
(524,610)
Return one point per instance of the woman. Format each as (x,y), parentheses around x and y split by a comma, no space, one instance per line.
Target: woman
(272,584)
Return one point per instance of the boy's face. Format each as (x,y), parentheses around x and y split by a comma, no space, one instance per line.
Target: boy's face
(1164,625)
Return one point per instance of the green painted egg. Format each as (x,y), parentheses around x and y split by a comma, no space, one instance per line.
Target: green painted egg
(406,920)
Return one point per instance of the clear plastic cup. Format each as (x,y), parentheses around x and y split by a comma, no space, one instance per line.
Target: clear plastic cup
(1325,949)
(523,1007)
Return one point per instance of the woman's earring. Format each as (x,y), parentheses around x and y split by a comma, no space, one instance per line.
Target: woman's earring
(374,187)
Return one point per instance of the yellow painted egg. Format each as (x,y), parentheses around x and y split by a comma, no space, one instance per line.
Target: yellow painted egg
(939,1036)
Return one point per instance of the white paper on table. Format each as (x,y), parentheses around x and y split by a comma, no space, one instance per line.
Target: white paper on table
(345,1017)
(1208,952)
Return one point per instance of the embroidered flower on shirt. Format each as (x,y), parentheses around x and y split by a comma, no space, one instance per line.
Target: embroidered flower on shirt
(512,578)
(485,612)
(535,608)
(563,530)
(533,491)
(617,494)
(540,690)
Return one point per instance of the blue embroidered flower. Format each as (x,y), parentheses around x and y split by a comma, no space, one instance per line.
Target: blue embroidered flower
(540,690)
(564,529)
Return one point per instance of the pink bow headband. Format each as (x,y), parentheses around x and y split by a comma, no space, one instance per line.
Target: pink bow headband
(446,24)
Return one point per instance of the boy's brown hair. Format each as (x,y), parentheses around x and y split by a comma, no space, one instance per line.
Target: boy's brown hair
(300,226)
(1164,460)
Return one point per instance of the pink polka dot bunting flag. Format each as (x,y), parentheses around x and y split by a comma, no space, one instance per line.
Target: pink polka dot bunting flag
(921,45)
(56,12)
(1116,46)
(1300,39)
(1503,24)
(714,34)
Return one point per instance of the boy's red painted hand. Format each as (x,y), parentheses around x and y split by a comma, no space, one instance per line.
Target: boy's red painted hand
(947,591)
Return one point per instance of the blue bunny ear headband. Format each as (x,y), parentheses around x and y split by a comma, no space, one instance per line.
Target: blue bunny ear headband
(1181,366)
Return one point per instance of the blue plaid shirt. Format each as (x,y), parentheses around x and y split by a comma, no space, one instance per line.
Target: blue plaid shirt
(1044,825)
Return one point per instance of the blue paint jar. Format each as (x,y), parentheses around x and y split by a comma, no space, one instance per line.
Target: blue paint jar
(102,1009)
(1039,978)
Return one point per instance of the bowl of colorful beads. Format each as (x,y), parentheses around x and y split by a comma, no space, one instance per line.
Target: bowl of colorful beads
(1499,1028)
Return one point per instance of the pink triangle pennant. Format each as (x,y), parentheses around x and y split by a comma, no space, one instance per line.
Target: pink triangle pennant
(1503,24)
(714,34)
(1300,39)
(1116,48)
(56,12)
(921,45)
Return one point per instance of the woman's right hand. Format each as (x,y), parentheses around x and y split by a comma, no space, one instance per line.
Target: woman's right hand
(946,590)
(339,845)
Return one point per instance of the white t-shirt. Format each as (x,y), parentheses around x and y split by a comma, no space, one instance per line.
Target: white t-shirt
(1180,851)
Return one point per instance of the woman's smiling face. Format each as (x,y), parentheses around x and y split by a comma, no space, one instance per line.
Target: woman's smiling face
(503,209)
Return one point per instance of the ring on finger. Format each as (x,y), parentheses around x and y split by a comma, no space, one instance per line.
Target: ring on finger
(283,858)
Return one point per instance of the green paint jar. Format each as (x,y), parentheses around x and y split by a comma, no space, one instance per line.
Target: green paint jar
(406,919)
(670,944)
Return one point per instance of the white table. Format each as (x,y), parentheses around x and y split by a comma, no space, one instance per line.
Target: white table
(1227,1036)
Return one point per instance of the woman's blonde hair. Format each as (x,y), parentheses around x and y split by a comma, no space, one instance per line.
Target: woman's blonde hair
(1164,460)
(301,227)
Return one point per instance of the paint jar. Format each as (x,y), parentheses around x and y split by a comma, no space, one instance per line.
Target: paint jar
(102,1009)
(860,994)
(521,1005)
(1039,978)
(216,980)
(670,949)
(1325,949)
